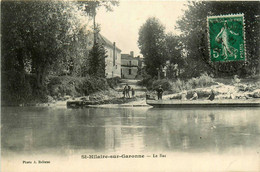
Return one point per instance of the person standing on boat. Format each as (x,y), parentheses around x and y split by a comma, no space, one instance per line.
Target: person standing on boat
(159,92)
(124,92)
(212,95)
(195,96)
(133,92)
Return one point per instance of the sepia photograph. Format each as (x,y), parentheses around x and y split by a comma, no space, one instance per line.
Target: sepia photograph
(130,86)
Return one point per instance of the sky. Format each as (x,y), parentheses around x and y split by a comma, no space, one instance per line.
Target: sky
(122,25)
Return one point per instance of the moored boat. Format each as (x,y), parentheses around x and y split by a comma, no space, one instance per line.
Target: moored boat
(254,102)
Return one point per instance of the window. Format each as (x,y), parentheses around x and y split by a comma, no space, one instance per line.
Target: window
(116,66)
(130,71)
(130,62)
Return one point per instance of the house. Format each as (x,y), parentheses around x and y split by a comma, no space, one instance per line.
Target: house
(129,66)
(113,60)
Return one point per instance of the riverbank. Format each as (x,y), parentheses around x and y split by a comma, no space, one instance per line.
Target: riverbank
(65,89)
(106,97)
(223,88)
(236,92)
(22,90)
(221,91)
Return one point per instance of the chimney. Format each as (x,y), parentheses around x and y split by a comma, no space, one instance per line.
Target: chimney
(132,53)
(114,54)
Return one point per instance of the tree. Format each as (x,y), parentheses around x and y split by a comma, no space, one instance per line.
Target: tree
(97,57)
(194,36)
(91,7)
(151,42)
(174,55)
(97,60)
(43,35)
(76,63)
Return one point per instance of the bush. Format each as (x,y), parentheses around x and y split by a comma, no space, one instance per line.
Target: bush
(146,82)
(166,85)
(235,80)
(62,85)
(203,81)
(192,83)
(93,84)
(113,82)
(19,88)
(178,86)
(66,85)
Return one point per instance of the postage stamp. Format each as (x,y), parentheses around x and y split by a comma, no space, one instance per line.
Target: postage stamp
(226,36)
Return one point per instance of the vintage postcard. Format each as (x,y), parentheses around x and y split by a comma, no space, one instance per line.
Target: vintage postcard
(130,86)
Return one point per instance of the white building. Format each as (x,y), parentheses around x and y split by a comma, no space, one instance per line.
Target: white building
(113,60)
(129,66)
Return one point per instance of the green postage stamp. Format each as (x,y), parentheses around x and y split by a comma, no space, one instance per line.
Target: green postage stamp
(226,38)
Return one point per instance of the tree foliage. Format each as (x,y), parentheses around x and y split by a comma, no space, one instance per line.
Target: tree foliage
(38,39)
(158,48)
(151,42)
(40,35)
(193,26)
(97,60)
(97,54)
(173,48)
(45,38)
(91,6)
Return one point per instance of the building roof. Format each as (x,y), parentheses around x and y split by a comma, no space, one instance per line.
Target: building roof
(128,57)
(107,42)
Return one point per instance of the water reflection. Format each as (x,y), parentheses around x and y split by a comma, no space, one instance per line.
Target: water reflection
(62,131)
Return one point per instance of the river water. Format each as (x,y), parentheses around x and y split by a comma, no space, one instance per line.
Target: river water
(230,136)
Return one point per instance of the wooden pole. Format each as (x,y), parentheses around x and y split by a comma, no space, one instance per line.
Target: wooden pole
(94,23)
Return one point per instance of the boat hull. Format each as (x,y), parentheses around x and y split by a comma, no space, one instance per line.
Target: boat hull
(204,103)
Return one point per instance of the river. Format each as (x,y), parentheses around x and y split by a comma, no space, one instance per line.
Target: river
(223,134)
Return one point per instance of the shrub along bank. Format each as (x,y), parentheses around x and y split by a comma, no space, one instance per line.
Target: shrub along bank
(20,88)
(75,87)
(223,88)
(174,86)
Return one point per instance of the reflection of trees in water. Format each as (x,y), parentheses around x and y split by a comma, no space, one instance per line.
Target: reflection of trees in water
(199,131)
(54,129)
(25,129)
(127,117)
(131,130)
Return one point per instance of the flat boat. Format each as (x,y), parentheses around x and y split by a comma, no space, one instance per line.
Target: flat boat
(174,103)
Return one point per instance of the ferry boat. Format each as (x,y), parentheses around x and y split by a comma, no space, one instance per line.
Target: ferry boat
(174,103)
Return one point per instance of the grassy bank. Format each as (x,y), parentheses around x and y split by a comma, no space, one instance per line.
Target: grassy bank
(223,87)
(174,86)
(20,88)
